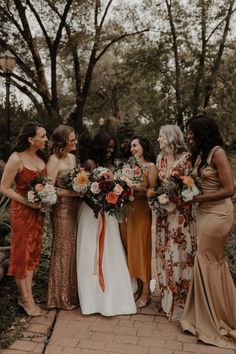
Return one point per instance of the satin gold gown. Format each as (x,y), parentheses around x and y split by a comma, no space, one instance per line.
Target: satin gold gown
(210,308)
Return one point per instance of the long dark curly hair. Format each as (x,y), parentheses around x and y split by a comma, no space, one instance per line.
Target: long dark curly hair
(98,147)
(148,151)
(206,135)
(29,130)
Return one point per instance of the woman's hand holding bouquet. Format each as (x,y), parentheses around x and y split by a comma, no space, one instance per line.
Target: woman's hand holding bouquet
(40,193)
(173,192)
(109,193)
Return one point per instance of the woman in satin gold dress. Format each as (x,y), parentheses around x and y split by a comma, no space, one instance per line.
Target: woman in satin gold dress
(210,308)
(136,229)
(62,283)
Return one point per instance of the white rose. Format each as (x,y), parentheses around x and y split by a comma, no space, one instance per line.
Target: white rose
(95,188)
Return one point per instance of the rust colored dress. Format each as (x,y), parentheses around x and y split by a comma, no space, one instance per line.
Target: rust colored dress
(62,282)
(136,237)
(210,308)
(27,229)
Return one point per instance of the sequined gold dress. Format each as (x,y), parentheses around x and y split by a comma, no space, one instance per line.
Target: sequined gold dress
(210,308)
(62,284)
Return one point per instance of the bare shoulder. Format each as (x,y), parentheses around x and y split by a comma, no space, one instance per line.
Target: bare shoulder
(219,155)
(14,159)
(72,156)
(13,165)
(151,167)
(53,160)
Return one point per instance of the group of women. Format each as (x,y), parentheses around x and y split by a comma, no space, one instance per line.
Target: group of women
(194,281)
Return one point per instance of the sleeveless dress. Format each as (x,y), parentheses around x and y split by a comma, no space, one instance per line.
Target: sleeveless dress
(117,298)
(175,244)
(136,236)
(26,229)
(62,282)
(210,309)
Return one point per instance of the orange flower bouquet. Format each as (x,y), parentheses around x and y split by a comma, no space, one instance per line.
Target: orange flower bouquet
(77,180)
(110,194)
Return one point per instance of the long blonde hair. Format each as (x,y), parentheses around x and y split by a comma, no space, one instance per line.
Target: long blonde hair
(175,139)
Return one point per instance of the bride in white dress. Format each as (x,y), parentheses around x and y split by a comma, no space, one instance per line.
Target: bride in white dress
(117,297)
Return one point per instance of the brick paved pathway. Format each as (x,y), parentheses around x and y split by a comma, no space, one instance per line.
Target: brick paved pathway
(69,332)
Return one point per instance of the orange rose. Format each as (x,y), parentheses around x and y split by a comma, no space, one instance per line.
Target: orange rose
(151,192)
(187,180)
(112,198)
(39,187)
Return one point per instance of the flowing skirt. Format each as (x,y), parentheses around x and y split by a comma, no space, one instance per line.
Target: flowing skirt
(117,298)
(210,309)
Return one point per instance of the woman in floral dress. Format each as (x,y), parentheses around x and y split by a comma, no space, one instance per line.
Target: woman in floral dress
(175,229)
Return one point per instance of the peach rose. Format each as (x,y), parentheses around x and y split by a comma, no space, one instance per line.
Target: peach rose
(39,187)
(118,189)
(112,198)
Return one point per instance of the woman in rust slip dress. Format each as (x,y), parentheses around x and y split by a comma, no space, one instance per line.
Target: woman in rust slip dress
(27,219)
(62,283)
(210,308)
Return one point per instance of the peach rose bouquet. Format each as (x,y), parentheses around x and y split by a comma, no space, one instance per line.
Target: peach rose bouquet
(40,190)
(173,193)
(110,194)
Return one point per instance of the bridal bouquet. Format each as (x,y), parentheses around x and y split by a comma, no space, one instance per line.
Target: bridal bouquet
(77,180)
(41,191)
(172,193)
(111,194)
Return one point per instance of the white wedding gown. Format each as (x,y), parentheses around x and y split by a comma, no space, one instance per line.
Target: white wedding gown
(117,299)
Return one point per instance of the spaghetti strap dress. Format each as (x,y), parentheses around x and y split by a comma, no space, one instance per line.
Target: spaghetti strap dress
(26,228)
(62,282)
(210,308)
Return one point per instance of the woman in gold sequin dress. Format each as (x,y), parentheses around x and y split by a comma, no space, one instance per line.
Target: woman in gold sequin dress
(136,229)
(210,308)
(62,284)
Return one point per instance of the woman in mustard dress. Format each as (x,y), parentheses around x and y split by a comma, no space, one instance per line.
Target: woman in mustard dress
(136,229)
(210,308)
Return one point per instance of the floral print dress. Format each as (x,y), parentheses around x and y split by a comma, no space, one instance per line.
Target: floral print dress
(176,243)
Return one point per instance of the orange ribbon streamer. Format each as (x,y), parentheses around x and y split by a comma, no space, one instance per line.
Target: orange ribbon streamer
(100,249)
